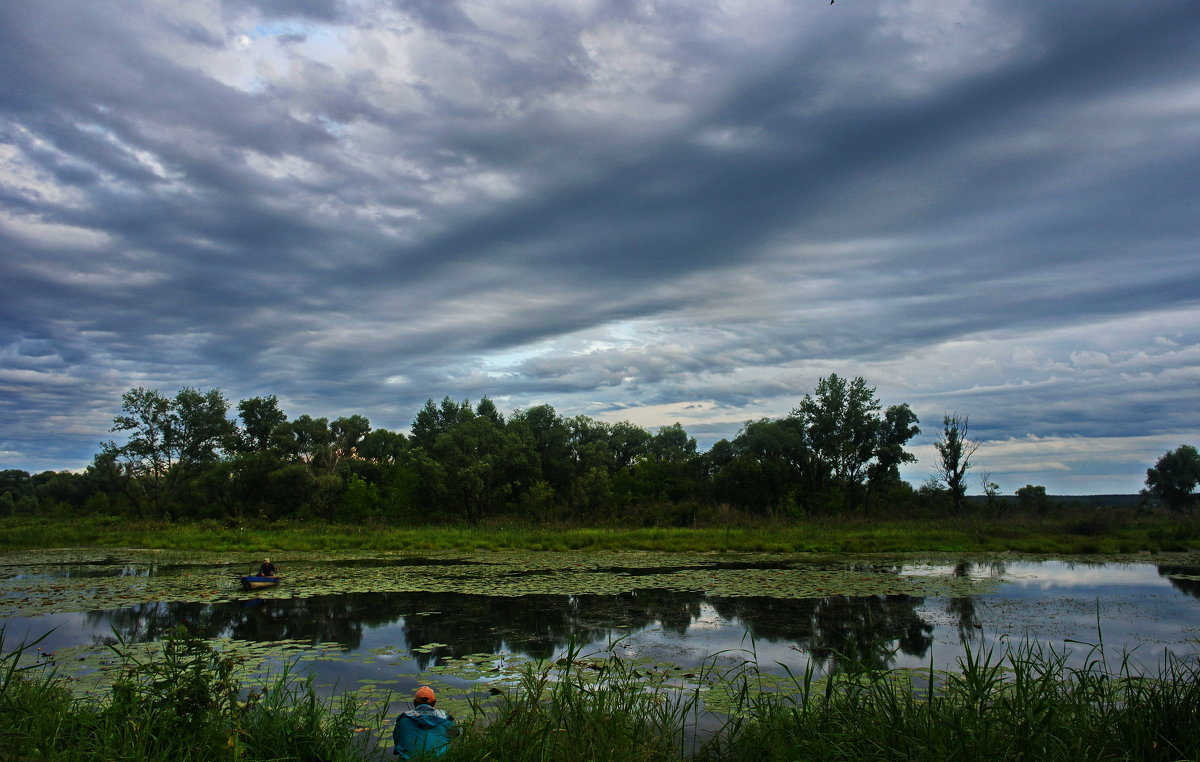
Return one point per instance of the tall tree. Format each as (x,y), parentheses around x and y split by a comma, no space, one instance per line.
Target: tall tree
(167,435)
(487,409)
(383,447)
(1174,477)
(426,425)
(348,433)
(899,425)
(627,443)
(202,428)
(434,420)
(260,416)
(313,442)
(955,450)
(765,466)
(552,441)
(841,423)
(147,455)
(672,444)
(484,464)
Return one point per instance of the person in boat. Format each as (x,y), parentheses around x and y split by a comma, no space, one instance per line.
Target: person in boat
(267,569)
(424,729)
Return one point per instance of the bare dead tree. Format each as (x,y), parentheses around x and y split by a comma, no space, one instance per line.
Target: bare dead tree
(955,450)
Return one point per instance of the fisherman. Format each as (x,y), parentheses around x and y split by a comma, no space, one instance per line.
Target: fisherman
(424,729)
(267,569)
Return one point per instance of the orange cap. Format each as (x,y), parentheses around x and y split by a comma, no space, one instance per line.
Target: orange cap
(425,694)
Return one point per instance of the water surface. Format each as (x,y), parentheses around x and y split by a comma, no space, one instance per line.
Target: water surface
(393,621)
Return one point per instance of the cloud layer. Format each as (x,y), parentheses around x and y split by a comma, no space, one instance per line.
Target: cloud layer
(647,210)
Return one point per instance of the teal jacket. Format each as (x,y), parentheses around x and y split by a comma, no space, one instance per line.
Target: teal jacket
(422,730)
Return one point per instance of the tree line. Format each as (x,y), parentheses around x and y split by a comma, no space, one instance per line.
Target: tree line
(837,451)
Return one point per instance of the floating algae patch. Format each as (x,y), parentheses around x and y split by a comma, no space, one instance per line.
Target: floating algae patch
(91,669)
(43,582)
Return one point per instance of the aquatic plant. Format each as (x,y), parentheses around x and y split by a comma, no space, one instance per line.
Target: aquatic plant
(1025,703)
(586,707)
(183,705)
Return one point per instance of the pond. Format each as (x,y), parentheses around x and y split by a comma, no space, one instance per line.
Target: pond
(388,622)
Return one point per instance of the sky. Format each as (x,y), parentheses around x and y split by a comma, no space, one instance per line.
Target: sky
(655,211)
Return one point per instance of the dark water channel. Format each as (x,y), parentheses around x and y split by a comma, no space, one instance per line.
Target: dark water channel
(393,638)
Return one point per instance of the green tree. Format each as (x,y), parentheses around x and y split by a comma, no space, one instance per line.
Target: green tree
(487,409)
(591,463)
(203,431)
(552,441)
(63,490)
(849,440)
(260,416)
(842,426)
(383,447)
(360,499)
(670,471)
(148,453)
(765,465)
(955,450)
(14,484)
(169,440)
(627,443)
(1032,497)
(433,420)
(251,476)
(672,444)
(485,466)
(1174,477)
(899,425)
(348,433)
(313,442)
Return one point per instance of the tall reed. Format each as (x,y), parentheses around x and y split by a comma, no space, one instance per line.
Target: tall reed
(584,708)
(183,705)
(1024,702)
(1027,703)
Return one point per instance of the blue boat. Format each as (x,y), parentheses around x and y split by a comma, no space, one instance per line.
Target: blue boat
(255,582)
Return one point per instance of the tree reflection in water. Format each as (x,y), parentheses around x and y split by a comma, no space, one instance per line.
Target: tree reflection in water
(844,632)
(962,608)
(865,631)
(1188,584)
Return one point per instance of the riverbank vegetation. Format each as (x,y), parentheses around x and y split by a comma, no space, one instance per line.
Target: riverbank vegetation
(183,706)
(837,453)
(1068,530)
(1028,703)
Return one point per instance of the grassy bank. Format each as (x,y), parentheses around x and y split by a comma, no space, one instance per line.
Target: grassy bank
(1074,531)
(184,707)
(1024,704)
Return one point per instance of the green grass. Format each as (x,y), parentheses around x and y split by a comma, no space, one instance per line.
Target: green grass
(1071,531)
(582,708)
(1027,703)
(183,706)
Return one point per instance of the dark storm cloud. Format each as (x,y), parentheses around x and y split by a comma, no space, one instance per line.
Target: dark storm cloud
(358,205)
(442,15)
(318,10)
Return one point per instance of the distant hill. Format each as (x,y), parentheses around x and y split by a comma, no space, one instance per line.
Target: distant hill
(1097,501)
